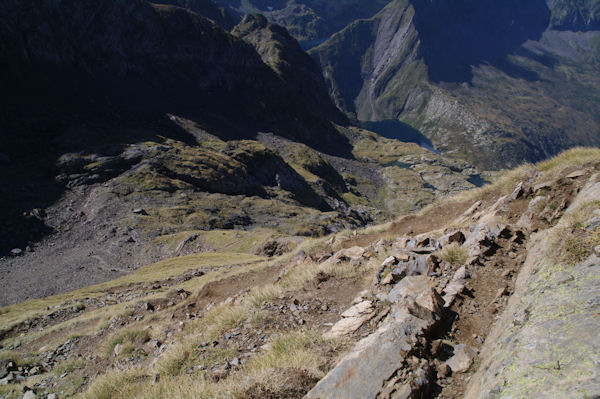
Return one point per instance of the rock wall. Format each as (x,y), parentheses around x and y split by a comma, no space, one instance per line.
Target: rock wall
(546,343)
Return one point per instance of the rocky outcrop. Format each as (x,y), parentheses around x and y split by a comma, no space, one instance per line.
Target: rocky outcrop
(575,16)
(546,345)
(381,359)
(458,282)
(309,21)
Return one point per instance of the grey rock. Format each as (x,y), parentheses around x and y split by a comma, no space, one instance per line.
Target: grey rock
(352,319)
(462,359)
(29,395)
(528,217)
(140,211)
(389,261)
(576,174)
(419,289)
(593,223)
(518,191)
(398,273)
(597,250)
(365,370)
(455,236)
(543,185)
(469,213)
(8,379)
(235,362)
(456,286)
(52,396)
(16,252)
(482,239)
(443,370)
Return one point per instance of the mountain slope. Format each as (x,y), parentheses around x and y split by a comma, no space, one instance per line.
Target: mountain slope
(136,132)
(88,77)
(449,286)
(496,84)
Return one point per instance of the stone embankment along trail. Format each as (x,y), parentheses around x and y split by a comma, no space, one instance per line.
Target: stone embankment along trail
(402,358)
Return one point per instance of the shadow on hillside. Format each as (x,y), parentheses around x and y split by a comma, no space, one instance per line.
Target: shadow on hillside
(459,34)
(38,126)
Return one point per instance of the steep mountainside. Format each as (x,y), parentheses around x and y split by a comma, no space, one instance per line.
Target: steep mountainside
(282,53)
(134,131)
(492,293)
(575,15)
(493,82)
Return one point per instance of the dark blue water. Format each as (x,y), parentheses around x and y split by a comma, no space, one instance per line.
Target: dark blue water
(308,44)
(477,181)
(393,129)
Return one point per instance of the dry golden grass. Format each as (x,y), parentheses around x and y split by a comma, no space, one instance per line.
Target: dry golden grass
(13,314)
(299,349)
(454,254)
(129,339)
(574,157)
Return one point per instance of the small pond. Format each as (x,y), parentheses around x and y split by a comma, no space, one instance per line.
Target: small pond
(393,129)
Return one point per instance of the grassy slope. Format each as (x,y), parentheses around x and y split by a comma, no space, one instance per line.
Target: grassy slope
(288,349)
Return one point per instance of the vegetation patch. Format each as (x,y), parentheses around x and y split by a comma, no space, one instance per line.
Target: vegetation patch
(454,254)
(129,341)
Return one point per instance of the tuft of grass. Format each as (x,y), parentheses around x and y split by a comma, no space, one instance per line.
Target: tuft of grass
(292,349)
(574,157)
(130,339)
(68,366)
(454,254)
(575,245)
(116,385)
(583,213)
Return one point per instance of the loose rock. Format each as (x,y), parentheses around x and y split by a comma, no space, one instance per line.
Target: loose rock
(29,395)
(462,359)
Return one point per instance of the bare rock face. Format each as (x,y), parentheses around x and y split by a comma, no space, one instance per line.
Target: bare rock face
(352,319)
(381,358)
(546,334)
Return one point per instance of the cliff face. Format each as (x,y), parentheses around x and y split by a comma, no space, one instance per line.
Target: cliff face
(575,15)
(477,78)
